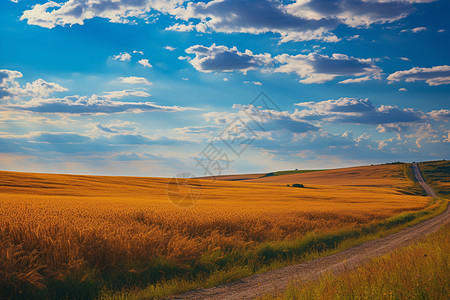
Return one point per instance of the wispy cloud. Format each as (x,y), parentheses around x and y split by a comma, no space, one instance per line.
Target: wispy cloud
(135,80)
(434,76)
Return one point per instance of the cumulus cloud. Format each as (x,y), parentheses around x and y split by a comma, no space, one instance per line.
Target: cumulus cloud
(311,68)
(33,97)
(170,48)
(357,111)
(8,83)
(254,17)
(317,68)
(41,88)
(434,76)
(71,12)
(440,115)
(352,12)
(135,80)
(145,63)
(123,56)
(300,20)
(224,59)
(10,88)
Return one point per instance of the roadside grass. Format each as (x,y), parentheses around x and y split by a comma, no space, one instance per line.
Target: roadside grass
(437,174)
(419,271)
(221,267)
(415,188)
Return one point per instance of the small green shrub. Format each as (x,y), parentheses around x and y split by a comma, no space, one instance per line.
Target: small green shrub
(298,185)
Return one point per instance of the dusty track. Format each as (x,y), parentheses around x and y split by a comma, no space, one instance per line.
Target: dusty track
(278,280)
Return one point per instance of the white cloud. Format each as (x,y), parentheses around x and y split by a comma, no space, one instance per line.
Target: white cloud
(434,76)
(10,88)
(405,59)
(357,111)
(138,52)
(181,27)
(254,17)
(414,30)
(356,80)
(224,59)
(124,56)
(317,68)
(8,83)
(402,90)
(41,88)
(440,115)
(123,94)
(31,97)
(298,21)
(441,30)
(73,12)
(170,48)
(418,29)
(350,38)
(273,120)
(95,105)
(135,80)
(353,13)
(312,68)
(145,63)
(253,82)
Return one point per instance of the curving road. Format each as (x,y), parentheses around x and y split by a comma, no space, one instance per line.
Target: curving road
(278,280)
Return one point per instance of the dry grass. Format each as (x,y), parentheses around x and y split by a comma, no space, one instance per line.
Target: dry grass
(420,271)
(376,176)
(59,232)
(438,174)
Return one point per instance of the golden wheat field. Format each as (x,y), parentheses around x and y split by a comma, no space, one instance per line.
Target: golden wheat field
(54,225)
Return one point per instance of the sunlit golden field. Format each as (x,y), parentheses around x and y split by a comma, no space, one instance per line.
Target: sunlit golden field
(53,227)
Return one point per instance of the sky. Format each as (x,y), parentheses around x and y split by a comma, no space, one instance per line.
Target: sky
(159,88)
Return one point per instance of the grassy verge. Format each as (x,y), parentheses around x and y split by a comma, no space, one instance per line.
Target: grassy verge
(437,174)
(415,188)
(419,271)
(219,267)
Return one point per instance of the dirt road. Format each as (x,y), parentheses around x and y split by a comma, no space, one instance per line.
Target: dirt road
(278,280)
(422,182)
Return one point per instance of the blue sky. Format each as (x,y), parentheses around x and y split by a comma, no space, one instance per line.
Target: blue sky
(148,87)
